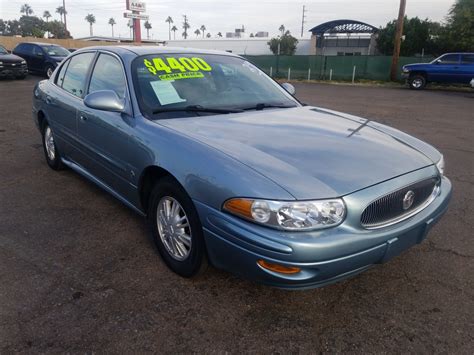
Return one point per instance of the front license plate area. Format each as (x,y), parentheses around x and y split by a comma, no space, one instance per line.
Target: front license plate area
(398,245)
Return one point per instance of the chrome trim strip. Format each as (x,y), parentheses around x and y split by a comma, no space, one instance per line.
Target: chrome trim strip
(434,194)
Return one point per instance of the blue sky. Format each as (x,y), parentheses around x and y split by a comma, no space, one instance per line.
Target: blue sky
(226,15)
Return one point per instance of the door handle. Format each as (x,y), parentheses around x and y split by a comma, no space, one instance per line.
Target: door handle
(49,100)
(82,117)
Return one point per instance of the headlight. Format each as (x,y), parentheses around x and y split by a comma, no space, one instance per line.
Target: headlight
(23,62)
(289,215)
(440,165)
(405,70)
(1,63)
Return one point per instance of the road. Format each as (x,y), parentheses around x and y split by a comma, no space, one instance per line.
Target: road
(79,272)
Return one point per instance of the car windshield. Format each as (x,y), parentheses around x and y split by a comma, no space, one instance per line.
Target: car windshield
(191,84)
(3,50)
(56,51)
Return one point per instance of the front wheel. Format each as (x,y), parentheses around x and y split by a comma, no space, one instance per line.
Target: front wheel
(176,228)
(417,82)
(49,70)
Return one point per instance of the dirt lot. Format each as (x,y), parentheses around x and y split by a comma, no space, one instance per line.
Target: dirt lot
(78,272)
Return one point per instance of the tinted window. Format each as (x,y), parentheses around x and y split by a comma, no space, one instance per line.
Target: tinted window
(108,75)
(76,73)
(468,59)
(449,59)
(37,51)
(60,76)
(24,48)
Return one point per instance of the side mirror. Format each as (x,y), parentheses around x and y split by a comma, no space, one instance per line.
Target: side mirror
(288,87)
(105,100)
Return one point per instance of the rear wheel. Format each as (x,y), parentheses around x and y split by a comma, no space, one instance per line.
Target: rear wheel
(417,82)
(176,228)
(51,152)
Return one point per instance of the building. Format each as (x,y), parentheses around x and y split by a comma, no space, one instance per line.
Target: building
(261,34)
(343,37)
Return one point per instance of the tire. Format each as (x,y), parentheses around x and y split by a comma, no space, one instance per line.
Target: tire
(51,152)
(48,70)
(181,248)
(417,82)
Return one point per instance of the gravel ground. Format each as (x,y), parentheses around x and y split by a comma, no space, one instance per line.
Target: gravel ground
(79,273)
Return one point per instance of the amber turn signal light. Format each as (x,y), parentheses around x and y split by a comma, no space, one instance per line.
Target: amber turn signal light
(278,268)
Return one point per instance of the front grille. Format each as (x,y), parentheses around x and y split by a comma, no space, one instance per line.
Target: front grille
(390,208)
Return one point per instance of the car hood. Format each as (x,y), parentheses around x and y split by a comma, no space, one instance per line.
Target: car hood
(310,152)
(416,66)
(10,58)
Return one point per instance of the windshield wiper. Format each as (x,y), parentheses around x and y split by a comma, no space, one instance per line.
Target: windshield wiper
(197,108)
(261,106)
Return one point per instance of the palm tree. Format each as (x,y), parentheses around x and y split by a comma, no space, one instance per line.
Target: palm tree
(174,29)
(26,9)
(219,34)
(186,26)
(112,23)
(282,29)
(208,35)
(170,21)
(47,15)
(148,28)
(203,29)
(197,32)
(62,12)
(91,19)
(130,26)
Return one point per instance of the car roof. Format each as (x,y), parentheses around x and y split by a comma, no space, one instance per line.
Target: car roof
(41,44)
(146,50)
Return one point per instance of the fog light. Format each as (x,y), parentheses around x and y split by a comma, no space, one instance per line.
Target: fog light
(278,268)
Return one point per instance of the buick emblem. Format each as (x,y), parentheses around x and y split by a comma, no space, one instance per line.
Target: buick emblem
(408,200)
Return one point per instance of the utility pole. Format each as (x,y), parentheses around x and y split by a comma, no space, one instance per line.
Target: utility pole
(398,40)
(303,19)
(64,8)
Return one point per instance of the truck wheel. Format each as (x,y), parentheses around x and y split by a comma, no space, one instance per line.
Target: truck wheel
(417,82)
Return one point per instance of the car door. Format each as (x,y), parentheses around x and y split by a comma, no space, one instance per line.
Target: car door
(64,99)
(37,58)
(467,67)
(104,135)
(446,69)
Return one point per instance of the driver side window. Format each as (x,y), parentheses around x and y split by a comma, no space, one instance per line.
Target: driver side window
(449,59)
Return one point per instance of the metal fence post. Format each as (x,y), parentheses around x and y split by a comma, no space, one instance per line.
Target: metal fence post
(289,74)
(353,74)
(309,74)
(330,74)
(271,72)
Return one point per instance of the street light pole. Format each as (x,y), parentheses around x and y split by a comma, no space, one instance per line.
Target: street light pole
(398,40)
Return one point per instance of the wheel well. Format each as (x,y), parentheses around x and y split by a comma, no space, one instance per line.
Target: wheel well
(422,73)
(149,176)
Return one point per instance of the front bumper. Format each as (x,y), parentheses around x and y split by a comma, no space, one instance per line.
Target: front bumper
(9,70)
(325,256)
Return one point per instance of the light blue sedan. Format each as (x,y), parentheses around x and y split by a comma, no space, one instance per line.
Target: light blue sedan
(229,168)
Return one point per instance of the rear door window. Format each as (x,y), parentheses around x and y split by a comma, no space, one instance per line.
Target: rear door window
(75,77)
(468,59)
(108,75)
(449,59)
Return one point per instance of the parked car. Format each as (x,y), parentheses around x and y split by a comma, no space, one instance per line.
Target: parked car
(12,65)
(451,68)
(42,58)
(228,167)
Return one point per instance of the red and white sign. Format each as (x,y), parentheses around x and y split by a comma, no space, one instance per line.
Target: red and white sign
(136,6)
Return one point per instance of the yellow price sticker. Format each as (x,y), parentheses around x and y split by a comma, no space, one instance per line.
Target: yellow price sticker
(177,68)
